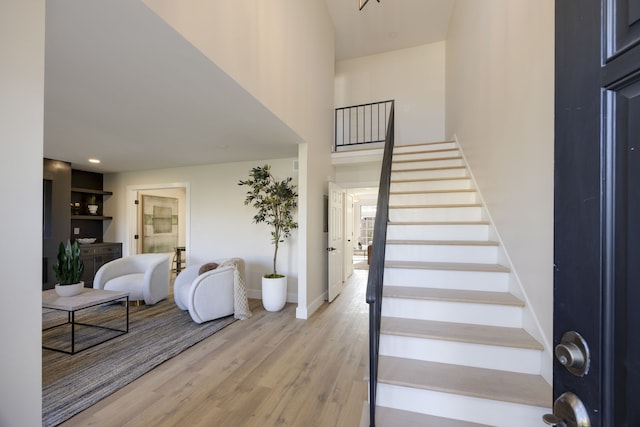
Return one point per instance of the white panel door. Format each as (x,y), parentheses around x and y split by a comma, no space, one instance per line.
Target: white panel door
(335,244)
(348,246)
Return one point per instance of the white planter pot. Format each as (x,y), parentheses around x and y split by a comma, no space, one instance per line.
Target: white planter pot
(93,209)
(274,293)
(69,290)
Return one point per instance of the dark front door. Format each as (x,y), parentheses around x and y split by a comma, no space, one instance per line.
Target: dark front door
(597,208)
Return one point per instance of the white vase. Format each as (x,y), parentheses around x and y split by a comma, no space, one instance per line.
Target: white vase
(69,290)
(274,293)
(93,209)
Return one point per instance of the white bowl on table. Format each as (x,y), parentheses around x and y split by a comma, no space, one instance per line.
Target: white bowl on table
(86,240)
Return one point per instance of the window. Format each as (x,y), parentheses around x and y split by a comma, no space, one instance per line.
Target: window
(367,219)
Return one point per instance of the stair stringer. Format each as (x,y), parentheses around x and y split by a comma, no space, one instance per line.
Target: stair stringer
(530,321)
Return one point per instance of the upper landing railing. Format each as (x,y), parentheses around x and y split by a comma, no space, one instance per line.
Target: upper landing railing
(361,124)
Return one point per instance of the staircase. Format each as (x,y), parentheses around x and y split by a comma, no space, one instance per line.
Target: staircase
(452,349)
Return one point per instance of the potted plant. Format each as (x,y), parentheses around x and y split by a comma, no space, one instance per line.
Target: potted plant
(275,201)
(69,269)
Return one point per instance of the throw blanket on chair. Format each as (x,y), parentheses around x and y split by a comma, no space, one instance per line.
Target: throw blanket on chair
(240,300)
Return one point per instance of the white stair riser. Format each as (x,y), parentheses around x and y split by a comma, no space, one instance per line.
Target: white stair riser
(526,361)
(447,279)
(442,184)
(416,199)
(472,409)
(438,232)
(451,214)
(424,155)
(429,174)
(442,253)
(413,148)
(458,312)
(435,163)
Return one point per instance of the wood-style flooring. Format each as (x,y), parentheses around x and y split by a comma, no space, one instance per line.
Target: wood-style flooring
(270,370)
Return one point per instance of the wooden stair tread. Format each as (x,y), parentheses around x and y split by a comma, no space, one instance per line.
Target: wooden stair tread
(439,168)
(453,178)
(390,417)
(425,159)
(482,383)
(452,295)
(460,332)
(423,144)
(456,266)
(444,242)
(438,206)
(440,191)
(438,223)
(438,150)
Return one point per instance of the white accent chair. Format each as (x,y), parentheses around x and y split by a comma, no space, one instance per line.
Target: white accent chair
(206,296)
(144,276)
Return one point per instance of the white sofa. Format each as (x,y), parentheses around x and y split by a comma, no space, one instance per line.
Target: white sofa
(144,276)
(206,296)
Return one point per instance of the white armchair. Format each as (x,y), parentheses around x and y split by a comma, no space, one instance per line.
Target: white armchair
(206,296)
(144,276)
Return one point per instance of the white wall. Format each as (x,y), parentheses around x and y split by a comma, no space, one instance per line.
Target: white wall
(358,175)
(221,225)
(283,54)
(414,77)
(500,91)
(21,130)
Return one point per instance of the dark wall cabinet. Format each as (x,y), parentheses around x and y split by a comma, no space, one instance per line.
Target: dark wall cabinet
(95,255)
(86,188)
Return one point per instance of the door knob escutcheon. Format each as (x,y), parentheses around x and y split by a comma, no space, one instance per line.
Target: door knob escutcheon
(568,411)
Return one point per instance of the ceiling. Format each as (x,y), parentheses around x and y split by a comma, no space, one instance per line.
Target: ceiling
(124,87)
(387,25)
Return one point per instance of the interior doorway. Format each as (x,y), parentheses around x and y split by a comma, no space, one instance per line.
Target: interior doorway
(158,221)
(365,201)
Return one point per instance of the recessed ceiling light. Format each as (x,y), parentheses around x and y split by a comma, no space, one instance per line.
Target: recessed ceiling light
(94,161)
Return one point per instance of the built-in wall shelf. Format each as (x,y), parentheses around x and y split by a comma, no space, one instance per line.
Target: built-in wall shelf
(86,188)
(92,217)
(91,191)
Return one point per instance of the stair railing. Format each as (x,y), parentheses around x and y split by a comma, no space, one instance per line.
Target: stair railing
(361,124)
(376,266)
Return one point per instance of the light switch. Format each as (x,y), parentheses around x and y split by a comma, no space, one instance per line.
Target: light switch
(76,230)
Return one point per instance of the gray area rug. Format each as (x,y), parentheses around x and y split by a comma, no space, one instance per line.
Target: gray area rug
(72,383)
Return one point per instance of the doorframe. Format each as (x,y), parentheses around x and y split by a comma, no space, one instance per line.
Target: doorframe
(132,219)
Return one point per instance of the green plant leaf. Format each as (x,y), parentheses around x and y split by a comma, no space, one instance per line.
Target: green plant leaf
(275,201)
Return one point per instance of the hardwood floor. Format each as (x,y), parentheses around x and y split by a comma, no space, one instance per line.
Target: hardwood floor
(270,370)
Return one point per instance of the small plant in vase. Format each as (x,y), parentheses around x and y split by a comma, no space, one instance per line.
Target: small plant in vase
(275,201)
(69,269)
(92,205)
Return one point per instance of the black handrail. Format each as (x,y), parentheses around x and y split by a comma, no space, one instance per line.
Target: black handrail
(376,266)
(361,124)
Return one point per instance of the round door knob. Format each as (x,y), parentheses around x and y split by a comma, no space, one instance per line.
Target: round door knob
(568,411)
